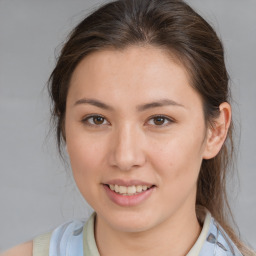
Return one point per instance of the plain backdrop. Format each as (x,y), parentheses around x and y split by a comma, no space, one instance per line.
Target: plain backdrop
(37,192)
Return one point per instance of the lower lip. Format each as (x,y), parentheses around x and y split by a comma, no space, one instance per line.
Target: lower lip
(123,200)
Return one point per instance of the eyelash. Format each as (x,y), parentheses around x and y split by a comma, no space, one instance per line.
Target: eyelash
(166,119)
(87,118)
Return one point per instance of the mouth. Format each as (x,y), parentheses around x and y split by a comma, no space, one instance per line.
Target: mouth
(129,190)
(128,193)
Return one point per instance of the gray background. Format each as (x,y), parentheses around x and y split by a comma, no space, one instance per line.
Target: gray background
(36,189)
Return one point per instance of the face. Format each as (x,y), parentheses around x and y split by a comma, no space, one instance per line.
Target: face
(135,134)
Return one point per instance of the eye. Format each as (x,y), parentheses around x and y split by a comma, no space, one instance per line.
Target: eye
(95,120)
(160,120)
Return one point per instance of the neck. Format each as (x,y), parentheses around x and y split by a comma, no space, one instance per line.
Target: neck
(165,239)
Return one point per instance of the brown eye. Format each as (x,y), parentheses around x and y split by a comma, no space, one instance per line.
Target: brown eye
(95,120)
(159,120)
(98,120)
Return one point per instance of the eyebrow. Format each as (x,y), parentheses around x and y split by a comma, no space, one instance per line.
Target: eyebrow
(94,102)
(140,108)
(160,103)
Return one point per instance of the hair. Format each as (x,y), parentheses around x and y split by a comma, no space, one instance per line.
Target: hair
(174,26)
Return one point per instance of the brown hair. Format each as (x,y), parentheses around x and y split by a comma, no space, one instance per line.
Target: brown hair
(174,26)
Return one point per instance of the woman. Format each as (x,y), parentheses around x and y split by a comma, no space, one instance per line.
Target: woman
(140,99)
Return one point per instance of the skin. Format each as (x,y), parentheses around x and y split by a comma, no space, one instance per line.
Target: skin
(128,142)
(25,249)
(129,145)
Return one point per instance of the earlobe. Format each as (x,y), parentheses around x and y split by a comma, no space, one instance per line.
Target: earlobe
(217,133)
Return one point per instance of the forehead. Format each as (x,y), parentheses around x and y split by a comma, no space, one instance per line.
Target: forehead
(141,72)
(140,61)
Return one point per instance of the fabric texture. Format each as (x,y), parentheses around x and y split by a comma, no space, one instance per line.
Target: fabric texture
(195,250)
(76,238)
(41,245)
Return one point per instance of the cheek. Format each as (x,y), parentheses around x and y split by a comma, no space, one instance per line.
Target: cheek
(177,164)
(85,153)
(86,164)
(178,159)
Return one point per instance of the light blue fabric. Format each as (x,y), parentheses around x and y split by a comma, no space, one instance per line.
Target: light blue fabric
(67,240)
(218,243)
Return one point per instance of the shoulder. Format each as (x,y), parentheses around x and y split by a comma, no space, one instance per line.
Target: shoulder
(67,239)
(219,242)
(213,239)
(25,249)
(68,236)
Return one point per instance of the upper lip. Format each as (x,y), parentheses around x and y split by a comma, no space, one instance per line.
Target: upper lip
(128,183)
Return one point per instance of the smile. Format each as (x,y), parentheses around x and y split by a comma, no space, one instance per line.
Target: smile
(128,190)
(128,195)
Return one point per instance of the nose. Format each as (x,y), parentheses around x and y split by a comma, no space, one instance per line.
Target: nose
(127,149)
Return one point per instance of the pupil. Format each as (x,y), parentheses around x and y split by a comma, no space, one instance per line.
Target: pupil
(98,120)
(159,120)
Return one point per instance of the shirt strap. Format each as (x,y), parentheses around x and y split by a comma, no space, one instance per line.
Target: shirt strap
(195,250)
(41,245)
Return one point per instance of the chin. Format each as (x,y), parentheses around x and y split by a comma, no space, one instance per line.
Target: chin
(129,227)
(131,222)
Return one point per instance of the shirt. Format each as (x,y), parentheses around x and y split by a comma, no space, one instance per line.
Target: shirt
(76,238)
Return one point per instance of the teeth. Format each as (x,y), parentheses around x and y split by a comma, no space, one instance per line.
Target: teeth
(128,191)
(131,190)
(144,188)
(139,188)
(123,190)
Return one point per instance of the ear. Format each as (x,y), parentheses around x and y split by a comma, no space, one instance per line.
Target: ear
(217,133)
